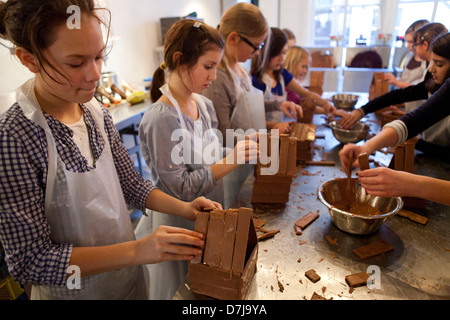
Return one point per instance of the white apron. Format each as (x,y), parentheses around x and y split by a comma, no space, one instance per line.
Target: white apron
(275,116)
(166,277)
(85,209)
(249,113)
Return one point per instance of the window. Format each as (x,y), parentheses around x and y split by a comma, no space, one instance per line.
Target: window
(442,13)
(360,22)
(338,24)
(410,11)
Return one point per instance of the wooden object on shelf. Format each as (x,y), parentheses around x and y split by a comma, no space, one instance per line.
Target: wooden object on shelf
(316,82)
(379,86)
(227,265)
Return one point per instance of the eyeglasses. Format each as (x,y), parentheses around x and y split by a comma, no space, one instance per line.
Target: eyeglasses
(416,44)
(255,48)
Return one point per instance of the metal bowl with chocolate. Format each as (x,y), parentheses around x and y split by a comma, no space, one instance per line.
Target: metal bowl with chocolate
(354,211)
(346,101)
(354,134)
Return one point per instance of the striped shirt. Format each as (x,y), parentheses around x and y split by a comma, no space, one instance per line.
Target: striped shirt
(24,233)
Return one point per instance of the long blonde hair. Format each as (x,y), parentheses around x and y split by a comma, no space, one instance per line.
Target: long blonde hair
(294,56)
(247,20)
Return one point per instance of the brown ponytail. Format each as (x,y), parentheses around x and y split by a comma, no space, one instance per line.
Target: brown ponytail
(192,39)
(157,82)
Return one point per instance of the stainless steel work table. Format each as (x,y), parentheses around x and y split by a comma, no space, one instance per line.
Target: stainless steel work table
(418,268)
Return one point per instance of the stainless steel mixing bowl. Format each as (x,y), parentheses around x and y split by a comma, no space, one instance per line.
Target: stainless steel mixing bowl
(345,101)
(354,134)
(333,191)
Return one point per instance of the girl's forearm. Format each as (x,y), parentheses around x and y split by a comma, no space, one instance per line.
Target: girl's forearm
(162,202)
(386,138)
(220,169)
(432,189)
(93,260)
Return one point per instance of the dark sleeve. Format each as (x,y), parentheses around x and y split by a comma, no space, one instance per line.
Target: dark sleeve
(411,93)
(436,108)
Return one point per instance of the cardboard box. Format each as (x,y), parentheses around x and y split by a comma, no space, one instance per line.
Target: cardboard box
(228,262)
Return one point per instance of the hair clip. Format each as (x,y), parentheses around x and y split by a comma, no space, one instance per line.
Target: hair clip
(197,24)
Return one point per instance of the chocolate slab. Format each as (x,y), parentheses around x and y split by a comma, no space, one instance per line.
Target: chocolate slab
(413,216)
(284,151)
(373,249)
(305,220)
(409,156)
(215,238)
(227,247)
(242,234)
(363,161)
(291,168)
(399,157)
(201,226)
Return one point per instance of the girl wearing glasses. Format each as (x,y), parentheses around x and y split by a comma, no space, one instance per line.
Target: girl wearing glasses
(273,78)
(238,105)
(416,68)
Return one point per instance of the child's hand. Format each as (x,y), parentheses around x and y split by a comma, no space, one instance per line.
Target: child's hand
(287,107)
(385,182)
(168,243)
(350,119)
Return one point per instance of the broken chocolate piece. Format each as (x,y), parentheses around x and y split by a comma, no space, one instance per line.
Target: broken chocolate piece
(331,240)
(373,249)
(304,221)
(267,235)
(312,275)
(316,296)
(298,230)
(357,279)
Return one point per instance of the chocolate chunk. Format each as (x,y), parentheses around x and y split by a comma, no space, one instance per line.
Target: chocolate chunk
(373,249)
(268,235)
(363,161)
(312,275)
(357,279)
